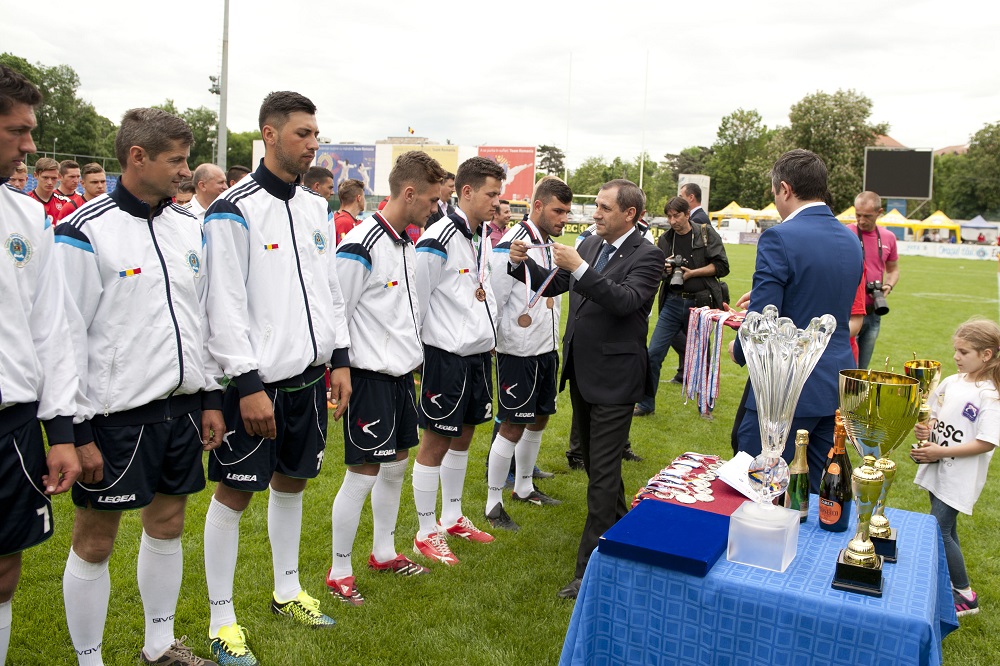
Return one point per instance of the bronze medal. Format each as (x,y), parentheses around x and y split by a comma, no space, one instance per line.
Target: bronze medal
(550,302)
(524,321)
(480,294)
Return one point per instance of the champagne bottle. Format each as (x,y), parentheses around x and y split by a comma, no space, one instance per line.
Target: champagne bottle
(797,493)
(835,494)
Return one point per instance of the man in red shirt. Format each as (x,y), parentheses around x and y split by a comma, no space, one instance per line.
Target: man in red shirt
(352,203)
(47,175)
(69,180)
(95,183)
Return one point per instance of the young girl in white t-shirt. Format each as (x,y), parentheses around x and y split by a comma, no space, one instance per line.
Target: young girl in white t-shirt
(963,431)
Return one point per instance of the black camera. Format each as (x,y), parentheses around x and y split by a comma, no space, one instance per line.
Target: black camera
(880,306)
(676,283)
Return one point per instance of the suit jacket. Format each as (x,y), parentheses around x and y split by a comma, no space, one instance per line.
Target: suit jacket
(437,215)
(604,347)
(700,216)
(807,267)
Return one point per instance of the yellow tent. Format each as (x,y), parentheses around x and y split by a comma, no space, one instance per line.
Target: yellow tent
(768,212)
(917,228)
(733,210)
(848,217)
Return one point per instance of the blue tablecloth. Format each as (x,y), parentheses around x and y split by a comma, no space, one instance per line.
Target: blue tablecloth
(632,613)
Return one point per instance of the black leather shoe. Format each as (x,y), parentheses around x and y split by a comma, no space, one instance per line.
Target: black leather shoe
(639,411)
(571,591)
(575,463)
(678,378)
(630,455)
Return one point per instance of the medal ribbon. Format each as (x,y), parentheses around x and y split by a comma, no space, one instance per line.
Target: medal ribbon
(531,299)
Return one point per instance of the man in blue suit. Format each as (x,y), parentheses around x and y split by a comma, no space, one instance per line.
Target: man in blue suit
(808,266)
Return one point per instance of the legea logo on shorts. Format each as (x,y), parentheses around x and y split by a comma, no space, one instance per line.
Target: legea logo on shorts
(385,452)
(241,477)
(448,428)
(115,499)
(524,415)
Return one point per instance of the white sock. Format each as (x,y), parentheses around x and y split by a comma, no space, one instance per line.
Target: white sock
(346,515)
(526,454)
(425,491)
(159,573)
(385,508)
(5,621)
(86,592)
(965,592)
(496,474)
(452,483)
(284,526)
(222,544)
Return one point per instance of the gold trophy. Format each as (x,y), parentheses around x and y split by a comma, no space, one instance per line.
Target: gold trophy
(879,410)
(859,568)
(928,373)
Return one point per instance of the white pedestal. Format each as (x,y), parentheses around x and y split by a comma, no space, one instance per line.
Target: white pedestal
(763,536)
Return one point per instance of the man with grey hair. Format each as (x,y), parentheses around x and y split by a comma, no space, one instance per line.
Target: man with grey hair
(209,182)
(612,282)
(151,403)
(881,267)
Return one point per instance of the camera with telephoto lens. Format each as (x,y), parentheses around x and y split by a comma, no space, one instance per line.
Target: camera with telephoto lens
(880,306)
(676,283)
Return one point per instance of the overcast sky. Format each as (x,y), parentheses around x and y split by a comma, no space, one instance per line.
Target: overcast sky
(520,73)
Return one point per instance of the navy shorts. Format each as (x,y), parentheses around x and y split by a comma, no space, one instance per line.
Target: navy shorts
(26,509)
(455,391)
(526,386)
(245,462)
(143,459)
(381,417)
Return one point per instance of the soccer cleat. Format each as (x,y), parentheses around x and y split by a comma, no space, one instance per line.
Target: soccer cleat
(965,606)
(344,589)
(229,647)
(466,530)
(401,565)
(304,610)
(177,654)
(539,474)
(536,497)
(435,547)
(498,518)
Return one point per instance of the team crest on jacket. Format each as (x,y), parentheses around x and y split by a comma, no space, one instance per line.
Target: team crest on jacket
(320,241)
(19,249)
(193,262)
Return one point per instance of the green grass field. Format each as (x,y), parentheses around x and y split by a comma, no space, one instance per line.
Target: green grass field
(498,606)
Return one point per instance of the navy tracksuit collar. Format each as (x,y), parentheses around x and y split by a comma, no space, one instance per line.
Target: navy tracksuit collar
(136,207)
(276,187)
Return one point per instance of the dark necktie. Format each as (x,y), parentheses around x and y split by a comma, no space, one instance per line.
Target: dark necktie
(606,251)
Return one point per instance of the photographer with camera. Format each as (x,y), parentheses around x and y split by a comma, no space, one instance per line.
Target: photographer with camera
(881,269)
(695,260)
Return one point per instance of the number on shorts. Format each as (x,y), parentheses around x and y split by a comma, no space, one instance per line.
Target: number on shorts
(44,513)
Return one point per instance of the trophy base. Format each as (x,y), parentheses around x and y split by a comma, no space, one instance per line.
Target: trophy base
(886,546)
(856,579)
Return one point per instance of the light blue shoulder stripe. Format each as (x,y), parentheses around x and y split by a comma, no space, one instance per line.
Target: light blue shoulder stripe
(433,250)
(75,242)
(227,216)
(355,257)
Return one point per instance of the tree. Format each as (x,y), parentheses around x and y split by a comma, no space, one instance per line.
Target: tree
(551,160)
(983,169)
(239,148)
(836,127)
(736,168)
(693,159)
(589,176)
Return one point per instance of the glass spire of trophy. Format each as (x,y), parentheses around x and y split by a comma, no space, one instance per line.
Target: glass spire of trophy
(879,409)
(780,358)
(928,373)
(859,568)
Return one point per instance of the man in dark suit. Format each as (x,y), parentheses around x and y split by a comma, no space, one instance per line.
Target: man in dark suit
(807,266)
(444,206)
(612,281)
(691,192)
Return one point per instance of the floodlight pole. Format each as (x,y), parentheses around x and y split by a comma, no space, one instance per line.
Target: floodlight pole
(645,100)
(223,91)
(569,100)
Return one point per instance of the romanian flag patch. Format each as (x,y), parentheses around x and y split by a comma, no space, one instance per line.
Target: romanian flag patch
(129,272)
(270,246)
(463,271)
(394,283)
